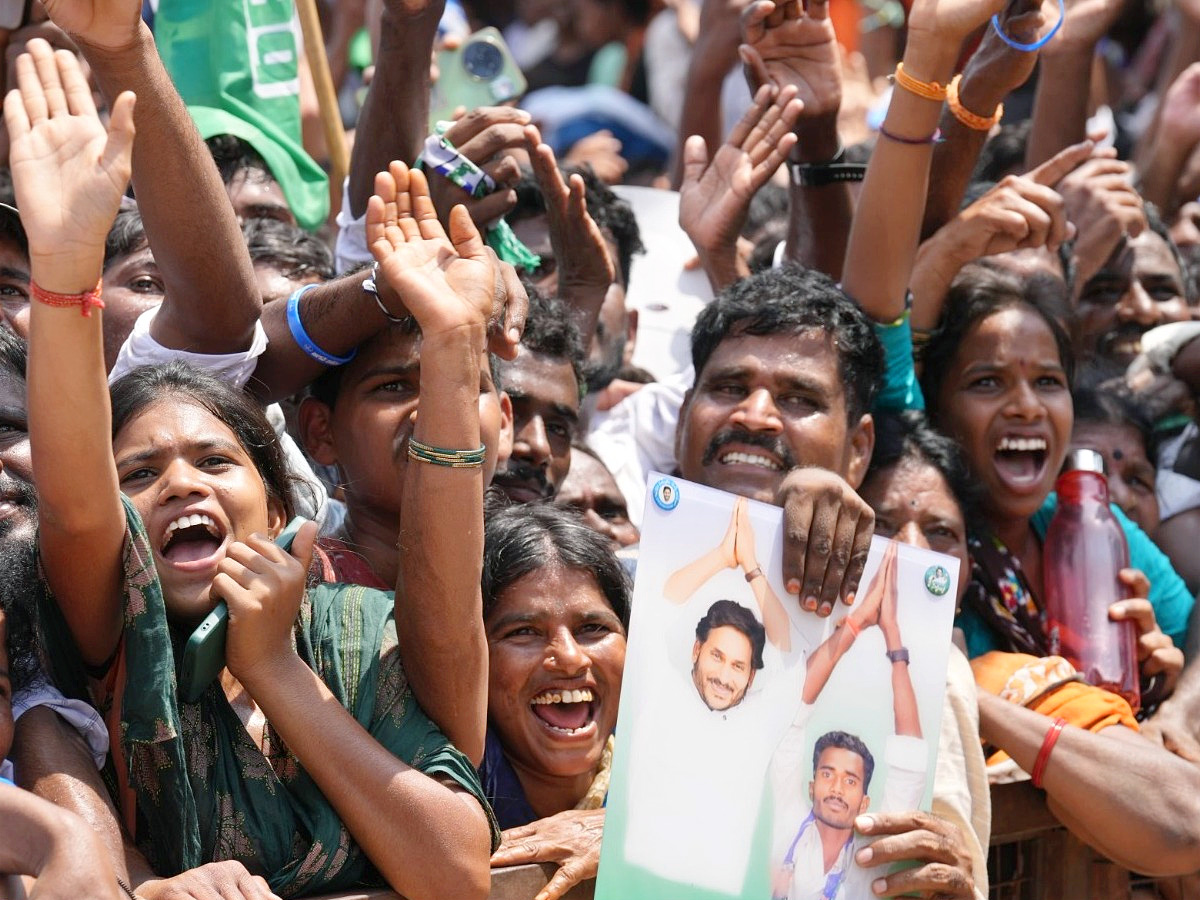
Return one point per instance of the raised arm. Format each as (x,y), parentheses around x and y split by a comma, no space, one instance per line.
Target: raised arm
(1060,106)
(887,222)
(715,197)
(687,580)
(448,283)
(212,300)
(904,698)
(395,116)
(790,44)
(994,70)
(69,176)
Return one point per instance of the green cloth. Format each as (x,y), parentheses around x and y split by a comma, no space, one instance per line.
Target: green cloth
(205,791)
(236,65)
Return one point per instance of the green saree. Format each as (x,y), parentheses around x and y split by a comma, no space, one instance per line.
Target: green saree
(204,790)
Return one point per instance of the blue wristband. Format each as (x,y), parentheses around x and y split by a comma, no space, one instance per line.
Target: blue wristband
(1038,44)
(300,336)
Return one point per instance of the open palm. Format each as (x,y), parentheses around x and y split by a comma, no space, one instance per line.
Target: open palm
(68,171)
(799,50)
(447,281)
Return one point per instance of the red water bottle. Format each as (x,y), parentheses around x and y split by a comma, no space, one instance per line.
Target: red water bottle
(1085,549)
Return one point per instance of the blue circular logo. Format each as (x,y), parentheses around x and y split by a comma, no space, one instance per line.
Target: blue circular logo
(665,494)
(937,580)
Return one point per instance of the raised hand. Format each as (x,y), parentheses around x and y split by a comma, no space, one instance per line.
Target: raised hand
(262,584)
(714,198)
(482,135)
(1085,22)
(104,24)
(785,44)
(996,69)
(448,281)
(585,268)
(949,21)
(68,171)
(747,559)
(1104,207)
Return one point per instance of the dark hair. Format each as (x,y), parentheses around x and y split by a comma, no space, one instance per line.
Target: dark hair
(289,248)
(14,353)
(1004,154)
(126,235)
(1110,405)
(727,614)
(1156,224)
(143,386)
(792,300)
(232,155)
(843,741)
(607,210)
(524,538)
(978,293)
(550,330)
(908,436)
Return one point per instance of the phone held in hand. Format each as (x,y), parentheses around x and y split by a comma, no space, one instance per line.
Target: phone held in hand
(204,653)
(481,72)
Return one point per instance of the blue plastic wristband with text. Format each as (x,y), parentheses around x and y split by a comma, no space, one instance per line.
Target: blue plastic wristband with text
(300,336)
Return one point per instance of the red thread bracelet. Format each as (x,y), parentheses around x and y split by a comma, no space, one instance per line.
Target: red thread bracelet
(85,300)
(1043,757)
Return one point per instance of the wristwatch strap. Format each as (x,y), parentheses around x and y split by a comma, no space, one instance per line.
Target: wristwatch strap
(821,174)
(900,654)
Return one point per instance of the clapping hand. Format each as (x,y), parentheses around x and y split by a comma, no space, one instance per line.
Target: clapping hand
(69,172)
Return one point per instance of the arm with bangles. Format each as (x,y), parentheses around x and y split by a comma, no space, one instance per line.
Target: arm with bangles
(1145,820)
(994,70)
(887,222)
(207,308)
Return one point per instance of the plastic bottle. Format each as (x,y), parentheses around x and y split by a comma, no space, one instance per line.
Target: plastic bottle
(1085,549)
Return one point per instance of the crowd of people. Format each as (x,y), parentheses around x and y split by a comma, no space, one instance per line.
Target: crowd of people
(947,242)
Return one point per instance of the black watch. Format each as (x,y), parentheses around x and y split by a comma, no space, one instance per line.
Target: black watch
(900,654)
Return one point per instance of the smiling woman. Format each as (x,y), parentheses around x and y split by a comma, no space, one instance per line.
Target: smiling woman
(997,379)
(555,607)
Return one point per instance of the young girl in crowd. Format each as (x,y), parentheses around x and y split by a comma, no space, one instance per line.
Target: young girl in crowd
(555,608)
(997,379)
(311,736)
(923,494)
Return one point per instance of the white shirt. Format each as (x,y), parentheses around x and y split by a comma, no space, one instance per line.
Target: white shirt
(718,762)
(906,759)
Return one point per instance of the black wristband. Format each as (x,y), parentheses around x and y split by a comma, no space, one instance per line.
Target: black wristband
(821,174)
(900,654)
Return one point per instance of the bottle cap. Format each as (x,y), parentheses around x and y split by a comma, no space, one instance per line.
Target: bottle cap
(1084,461)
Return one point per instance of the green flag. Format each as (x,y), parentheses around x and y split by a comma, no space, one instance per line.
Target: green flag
(235,63)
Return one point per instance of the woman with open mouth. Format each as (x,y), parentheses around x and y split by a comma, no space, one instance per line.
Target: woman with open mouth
(997,378)
(307,761)
(555,608)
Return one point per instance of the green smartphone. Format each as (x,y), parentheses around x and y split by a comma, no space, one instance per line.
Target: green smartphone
(204,653)
(480,72)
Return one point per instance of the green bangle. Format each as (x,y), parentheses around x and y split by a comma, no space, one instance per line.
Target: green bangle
(439,456)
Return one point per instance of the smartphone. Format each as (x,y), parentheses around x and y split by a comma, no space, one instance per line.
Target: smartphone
(479,72)
(204,653)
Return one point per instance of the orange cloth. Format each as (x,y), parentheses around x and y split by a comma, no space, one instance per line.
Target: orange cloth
(1052,687)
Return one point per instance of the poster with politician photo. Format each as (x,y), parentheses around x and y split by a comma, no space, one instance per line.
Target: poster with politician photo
(751,732)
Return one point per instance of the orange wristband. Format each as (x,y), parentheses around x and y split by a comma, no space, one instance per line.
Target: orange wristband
(964,115)
(85,301)
(930,90)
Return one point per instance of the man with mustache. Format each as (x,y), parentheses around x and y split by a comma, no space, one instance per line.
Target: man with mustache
(787,368)
(543,384)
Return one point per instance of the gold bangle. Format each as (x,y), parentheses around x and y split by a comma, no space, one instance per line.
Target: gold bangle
(930,90)
(964,115)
